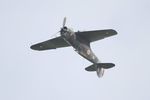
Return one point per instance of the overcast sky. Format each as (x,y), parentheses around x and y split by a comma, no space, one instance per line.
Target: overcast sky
(59,74)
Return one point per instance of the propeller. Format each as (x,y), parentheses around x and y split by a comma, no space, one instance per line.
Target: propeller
(64,21)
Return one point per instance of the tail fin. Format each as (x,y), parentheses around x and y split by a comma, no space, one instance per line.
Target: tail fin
(99,68)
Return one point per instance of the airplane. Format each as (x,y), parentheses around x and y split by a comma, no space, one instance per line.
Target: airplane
(80,41)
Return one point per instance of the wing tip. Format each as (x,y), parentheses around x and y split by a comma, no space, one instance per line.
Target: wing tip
(33,47)
(40,47)
(37,47)
(114,32)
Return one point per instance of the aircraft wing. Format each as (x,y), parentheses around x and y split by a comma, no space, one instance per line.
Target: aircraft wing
(54,43)
(95,35)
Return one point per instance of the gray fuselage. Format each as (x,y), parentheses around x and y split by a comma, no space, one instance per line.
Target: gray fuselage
(80,45)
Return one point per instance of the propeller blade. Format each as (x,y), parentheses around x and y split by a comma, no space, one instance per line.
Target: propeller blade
(64,21)
(54,35)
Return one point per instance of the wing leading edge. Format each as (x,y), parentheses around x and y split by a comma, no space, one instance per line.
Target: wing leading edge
(59,42)
(54,43)
(95,35)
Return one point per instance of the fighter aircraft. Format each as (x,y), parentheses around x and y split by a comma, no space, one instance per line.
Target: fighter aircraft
(80,41)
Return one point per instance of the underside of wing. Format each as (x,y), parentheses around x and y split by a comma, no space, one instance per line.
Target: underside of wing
(54,43)
(95,35)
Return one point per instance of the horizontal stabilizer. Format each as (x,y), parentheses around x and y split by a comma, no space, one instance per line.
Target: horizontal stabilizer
(101,65)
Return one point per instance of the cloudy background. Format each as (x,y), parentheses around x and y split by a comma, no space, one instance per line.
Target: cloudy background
(59,74)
